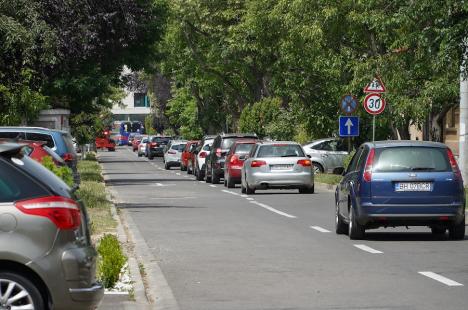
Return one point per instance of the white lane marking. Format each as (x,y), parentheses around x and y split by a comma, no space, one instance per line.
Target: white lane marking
(162,185)
(201,181)
(244,196)
(251,199)
(318,228)
(177,173)
(229,192)
(440,278)
(186,176)
(273,209)
(212,185)
(115,293)
(367,249)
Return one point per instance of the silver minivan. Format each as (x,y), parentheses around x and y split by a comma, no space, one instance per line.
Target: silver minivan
(47,260)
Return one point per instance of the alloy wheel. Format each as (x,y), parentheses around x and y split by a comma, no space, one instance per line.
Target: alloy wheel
(14,296)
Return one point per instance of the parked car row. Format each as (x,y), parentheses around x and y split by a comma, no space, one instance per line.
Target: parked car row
(55,268)
(386,184)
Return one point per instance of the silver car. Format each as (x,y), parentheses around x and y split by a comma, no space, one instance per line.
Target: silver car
(142,146)
(277,165)
(327,155)
(173,153)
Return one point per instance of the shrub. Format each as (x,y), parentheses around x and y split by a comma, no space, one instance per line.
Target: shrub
(90,171)
(91,156)
(111,260)
(65,173)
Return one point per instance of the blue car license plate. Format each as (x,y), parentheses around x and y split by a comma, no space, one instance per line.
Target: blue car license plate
(413,187)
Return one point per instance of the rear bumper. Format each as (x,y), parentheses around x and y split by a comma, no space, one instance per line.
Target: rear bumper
(234,174)
(91,295)
(156,152)
(411,215)
(281,180)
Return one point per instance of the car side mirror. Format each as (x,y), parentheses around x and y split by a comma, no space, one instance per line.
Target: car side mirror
(243,157)
(309,156)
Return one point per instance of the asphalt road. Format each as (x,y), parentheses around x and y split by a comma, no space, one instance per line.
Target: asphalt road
(221,250)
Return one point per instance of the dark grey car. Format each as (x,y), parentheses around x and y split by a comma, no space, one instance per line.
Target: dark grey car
(47,260)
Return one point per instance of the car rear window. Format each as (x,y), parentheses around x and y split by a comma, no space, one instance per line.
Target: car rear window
(159,140)
(12,135)
(228,142)
(16,185)
(178,147)
(243,148)
(280,150)
(67,138)
(34,136)
(405,159)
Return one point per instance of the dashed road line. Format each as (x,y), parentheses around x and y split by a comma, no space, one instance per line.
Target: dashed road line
(440,278)
(320,229)
(273,209)
(249,198)
(229,192)
(367,249)
(212,185)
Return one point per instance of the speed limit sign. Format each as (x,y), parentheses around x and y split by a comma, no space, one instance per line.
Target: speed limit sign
(374,104)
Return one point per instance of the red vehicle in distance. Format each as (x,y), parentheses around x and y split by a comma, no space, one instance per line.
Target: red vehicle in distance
(136,142)
(187,155)
(105,142)
(235,160)
(37,150)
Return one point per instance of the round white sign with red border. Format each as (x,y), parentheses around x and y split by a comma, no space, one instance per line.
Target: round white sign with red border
(374,104)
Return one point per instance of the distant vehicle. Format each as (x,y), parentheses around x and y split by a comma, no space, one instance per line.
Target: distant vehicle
(136,142)
(401,183)
(127,128)
(235,160)
(173,153)
(47,258)
(191,161)
(214,168)
(186,154)
(142,146)
(155,147)
(105,142)
(327,155)
(201,153)
(277,165)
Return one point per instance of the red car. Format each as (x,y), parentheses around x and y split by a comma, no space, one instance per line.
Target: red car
(136,142)
(235,160)
(186,155)
(105,142)
(37,150)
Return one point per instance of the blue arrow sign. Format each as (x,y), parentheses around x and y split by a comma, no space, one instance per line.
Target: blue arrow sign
(349,126)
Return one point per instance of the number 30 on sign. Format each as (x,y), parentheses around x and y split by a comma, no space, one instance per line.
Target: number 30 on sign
(374,104)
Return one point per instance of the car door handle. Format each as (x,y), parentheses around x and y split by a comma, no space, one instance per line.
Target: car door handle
(324,155)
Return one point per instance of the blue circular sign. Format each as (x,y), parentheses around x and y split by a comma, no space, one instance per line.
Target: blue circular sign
(348,104)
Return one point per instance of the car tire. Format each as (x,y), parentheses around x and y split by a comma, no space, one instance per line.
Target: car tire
(25,286)
(111,149)
(318,168)
(248,189)
(306,190)
(243,189)
(438,230)
(139,155)
(340,226)
(150,157)
(207,178)
(166,166)
(183,168)
(457,231)
(214,177)
(189,170)
(356,231)
(229,182)
(198,174)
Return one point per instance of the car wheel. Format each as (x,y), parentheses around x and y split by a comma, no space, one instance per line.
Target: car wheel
(214,177)
(166,166)
(356,231)
(183,168)
(306,190)
(229,182)
(340,225)
(457,231)
(248,189)
(318,168)
(438,230)
(139,154)
(207,177)
(12,286)
(150,157)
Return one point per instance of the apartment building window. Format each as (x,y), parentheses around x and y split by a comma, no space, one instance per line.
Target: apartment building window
(141,100)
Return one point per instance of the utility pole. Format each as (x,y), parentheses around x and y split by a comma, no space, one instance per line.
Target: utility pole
(463,147)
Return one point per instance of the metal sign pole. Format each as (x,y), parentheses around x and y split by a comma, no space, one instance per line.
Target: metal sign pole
(373,128)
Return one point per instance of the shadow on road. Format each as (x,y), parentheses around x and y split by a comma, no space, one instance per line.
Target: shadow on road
(151,206)
(406,236)
(127,182)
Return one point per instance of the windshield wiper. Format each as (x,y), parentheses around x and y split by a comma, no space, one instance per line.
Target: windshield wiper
(422,169)
(289,155)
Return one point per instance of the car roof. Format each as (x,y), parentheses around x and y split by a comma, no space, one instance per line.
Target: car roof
(236,135)
(252,141)
(322,140)
(30,129)
(399,143)
(178,141)
(10,147)
(278,142)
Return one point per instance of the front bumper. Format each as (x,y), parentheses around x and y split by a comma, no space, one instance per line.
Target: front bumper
(281,180)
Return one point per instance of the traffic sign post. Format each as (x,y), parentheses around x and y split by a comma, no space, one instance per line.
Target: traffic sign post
(374,104)
(349,126)
(375,86)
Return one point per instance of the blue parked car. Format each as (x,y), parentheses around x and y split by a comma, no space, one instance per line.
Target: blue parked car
(401,183)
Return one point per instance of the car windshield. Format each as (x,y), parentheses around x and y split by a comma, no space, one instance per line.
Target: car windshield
(228,142)
(161,140)
(178,147)
(244,148)
(406,159)
(280,150)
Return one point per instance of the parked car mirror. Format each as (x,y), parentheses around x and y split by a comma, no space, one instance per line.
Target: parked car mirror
(309,156)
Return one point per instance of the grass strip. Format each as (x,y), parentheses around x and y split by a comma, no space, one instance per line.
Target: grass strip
(328,178)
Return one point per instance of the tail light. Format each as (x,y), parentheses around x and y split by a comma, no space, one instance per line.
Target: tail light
(368,169)
(154,144)
(258,163)
(304,162)
(454,164)
(219,152)
(235,161)
(63,212)
(67,157)
(171,152)
(202,155)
